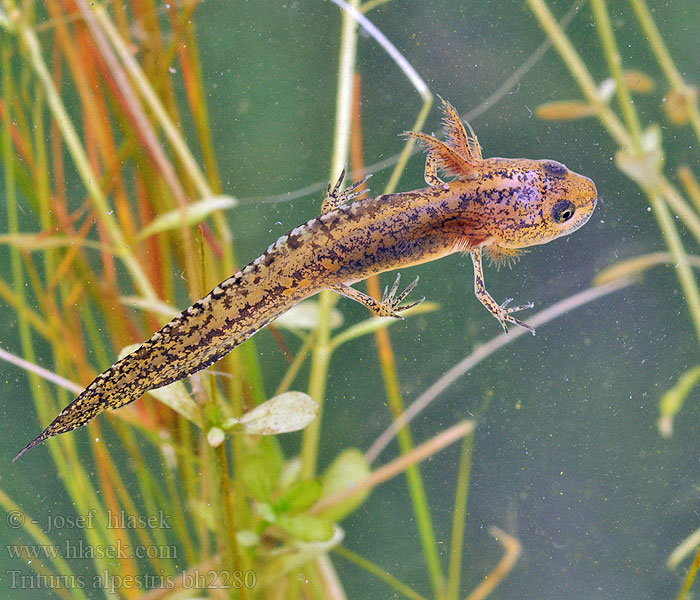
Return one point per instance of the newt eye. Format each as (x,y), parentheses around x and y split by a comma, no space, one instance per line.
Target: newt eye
(555,168)
(563,211)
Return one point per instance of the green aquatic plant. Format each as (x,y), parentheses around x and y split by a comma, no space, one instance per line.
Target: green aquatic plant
(237,515)
(641,157)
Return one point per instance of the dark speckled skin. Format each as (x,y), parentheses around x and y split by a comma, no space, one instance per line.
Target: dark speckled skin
(498,204)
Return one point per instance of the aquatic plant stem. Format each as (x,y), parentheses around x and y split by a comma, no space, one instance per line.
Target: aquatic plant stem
(636,265)
(142,124)
(690,577)
(40,371)
(320,361)
(483,351)
(152,100)
(612,54)
(227,500)
(690,184)
(655,195)
(675,245)
(400,464)
(409,147)
(127,564)
(296,364)
(663,56)
(36,532)
(90,180)
(188,52)
(378,572)
(18,280)
(657,43)
(629,142)
(678,205)
(511,553)
(343,107)
(321,353)
(83,497)
(459,517)
(369,27)
(387,361)
(578,69)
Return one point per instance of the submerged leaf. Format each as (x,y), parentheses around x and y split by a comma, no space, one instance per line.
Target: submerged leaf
(305,316)
(644,168)
(636,265)
(265,512)
(302,496)
(564,110)
(348,469)
(152,305)
(290,473)
(41,241)
(672,401)
(247,538)
(638,82)
(284,562)
(194,213)
(178,398)
(287,412)
(678,105)
(259,477)
(306,528)
(128,350)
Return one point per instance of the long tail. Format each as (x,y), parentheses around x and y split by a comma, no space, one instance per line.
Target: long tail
(194,340)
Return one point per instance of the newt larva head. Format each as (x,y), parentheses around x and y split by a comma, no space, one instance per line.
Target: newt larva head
(537,201)
(570,198)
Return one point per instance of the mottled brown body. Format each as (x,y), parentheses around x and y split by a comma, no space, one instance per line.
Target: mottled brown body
(496,204)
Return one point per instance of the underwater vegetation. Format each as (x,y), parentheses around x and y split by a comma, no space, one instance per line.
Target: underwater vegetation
(117,215)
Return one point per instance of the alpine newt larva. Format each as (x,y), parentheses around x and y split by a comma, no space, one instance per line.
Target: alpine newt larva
(497,205)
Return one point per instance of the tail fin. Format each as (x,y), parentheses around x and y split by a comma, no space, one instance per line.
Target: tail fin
(192,341)
(152,365)
(115,387)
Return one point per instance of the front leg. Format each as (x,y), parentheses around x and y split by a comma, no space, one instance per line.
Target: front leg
(499,311)
(390,304)
(335,198)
